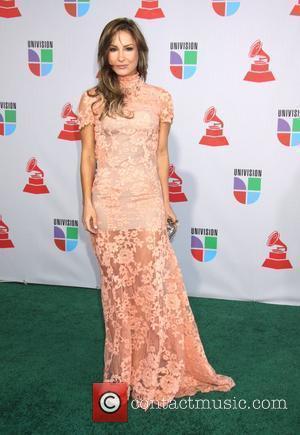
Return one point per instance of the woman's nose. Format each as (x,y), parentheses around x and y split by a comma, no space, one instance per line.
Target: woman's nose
(121,55)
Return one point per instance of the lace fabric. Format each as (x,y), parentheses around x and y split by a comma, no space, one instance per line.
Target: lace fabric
(151,337)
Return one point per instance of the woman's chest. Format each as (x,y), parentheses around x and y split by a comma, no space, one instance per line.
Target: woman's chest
(142,117)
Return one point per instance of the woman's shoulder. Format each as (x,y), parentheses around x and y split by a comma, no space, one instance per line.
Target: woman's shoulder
(93,97)
(93,93)
(159,90)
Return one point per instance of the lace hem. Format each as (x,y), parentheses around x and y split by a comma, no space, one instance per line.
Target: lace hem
(151,338)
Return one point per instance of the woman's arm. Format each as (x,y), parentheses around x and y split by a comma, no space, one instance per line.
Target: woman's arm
(163,166)
(87,174)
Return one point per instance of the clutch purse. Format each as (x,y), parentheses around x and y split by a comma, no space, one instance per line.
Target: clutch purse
(171,228)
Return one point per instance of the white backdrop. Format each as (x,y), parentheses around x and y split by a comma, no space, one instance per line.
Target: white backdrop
(233,268)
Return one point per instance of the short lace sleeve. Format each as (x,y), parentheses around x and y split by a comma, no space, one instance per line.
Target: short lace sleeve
(167,108)
(84,111)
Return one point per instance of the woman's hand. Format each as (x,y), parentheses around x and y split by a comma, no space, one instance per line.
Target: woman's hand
(89,218)
(170,213)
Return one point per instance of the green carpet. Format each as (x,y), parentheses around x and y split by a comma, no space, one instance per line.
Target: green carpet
(52,351)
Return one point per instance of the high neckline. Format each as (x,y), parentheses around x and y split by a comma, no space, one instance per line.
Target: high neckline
(130,83)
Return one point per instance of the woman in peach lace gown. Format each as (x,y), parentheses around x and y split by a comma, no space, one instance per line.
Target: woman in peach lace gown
(151,338)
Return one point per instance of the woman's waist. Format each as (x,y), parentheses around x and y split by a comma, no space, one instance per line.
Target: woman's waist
(128,183)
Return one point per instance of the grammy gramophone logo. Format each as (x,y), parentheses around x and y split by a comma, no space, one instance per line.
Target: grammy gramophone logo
(175,186)
(66,234)
(8,9)
(8,115)
(5,241)
(183,59)
(214,131)
(296,9)
(277,258)
(40,57)
(149,10)
(225,8)
(71,128)
(204,243)
(77,8)
(35,182)
(288,127)
(247,185)
(259,71)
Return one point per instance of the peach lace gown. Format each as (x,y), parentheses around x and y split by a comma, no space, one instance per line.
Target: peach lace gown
(151,339)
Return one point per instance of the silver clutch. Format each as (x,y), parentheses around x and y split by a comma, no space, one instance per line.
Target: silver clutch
(171,228)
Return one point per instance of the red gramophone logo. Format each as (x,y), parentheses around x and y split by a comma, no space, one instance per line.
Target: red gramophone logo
(214,131)
(149,10)
(8,9)
(260,65)
(71,128)
(175,186)
(296,9)
(5,242)
(36,178)
(277,256)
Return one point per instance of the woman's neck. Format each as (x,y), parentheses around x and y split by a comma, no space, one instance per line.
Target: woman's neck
(130,81)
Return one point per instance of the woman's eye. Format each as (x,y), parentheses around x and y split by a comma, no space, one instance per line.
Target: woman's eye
(114,49)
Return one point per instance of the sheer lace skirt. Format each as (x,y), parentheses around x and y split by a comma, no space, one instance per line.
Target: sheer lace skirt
(151,338)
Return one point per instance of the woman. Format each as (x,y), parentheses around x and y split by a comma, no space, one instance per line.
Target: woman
(151,342)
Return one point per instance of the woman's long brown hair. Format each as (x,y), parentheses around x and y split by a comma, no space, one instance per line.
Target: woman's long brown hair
(108,85)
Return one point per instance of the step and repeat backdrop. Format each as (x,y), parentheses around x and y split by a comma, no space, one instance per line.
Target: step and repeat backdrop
(233,70)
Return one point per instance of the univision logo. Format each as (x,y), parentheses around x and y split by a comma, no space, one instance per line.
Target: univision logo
(225,8)
(288,127)
(77,8)
(40,57)
(247,185)
(66,234)
(204,243)
(8,111)
(183,59)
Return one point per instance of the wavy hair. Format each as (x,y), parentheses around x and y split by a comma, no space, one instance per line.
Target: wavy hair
(108,87)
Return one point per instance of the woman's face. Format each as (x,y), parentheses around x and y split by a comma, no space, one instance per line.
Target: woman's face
(123,53)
